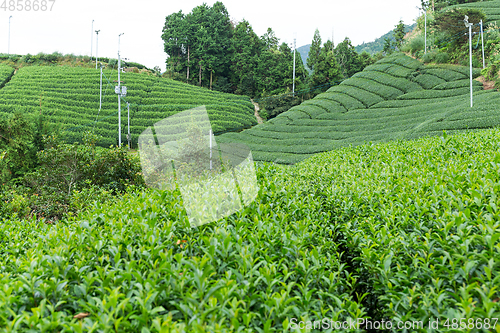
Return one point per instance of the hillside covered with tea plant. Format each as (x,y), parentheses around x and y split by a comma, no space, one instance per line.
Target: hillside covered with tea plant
(69,97)
(396,98)
(406,230)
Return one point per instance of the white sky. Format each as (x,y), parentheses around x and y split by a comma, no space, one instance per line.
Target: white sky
(67,28)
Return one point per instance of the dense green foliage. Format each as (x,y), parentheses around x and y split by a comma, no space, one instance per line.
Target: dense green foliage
(57,58)
(396,98)
(399,231)
(17,147)
(447,37)
(6,73)
(206,49)
(44,178)
(69,97)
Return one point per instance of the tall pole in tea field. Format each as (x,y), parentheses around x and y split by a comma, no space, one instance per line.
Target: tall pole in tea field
(100,92)
(8,47)
(97,48)
(119,92)
(128,131)
(482,42)
(91,40)
(294,51)
(425,31)
(469,25)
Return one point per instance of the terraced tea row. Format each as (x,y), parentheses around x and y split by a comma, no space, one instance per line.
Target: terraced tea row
(490,8)
(5,74)
(396,98)
(70,96)
(406,232)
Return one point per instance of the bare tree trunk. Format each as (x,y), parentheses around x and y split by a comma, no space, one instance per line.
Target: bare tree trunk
(187,77)
(211,72)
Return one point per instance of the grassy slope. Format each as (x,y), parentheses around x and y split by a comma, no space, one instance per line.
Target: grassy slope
(396,98)
(406,230)
(70,96)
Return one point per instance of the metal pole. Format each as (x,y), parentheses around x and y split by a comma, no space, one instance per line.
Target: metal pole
(294,51)
(91,40)
(128,116)
(119,96)
(425,12)
(97,48)
(210,138)
(470,55)
(482,43)
(8,48)
(100,92)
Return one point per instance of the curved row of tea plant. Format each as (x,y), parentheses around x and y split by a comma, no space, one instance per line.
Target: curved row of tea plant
(395,98)
(490,8)
(137,264)
(70,97)
(420,222)
(401,231)
(6,73)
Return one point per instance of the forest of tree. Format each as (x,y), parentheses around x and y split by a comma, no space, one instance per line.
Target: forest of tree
(205,48)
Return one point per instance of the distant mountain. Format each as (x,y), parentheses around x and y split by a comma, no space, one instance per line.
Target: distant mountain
(371,47)
(304,52)
(378,44)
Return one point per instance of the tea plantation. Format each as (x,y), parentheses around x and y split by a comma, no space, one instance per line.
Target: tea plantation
(396,98)
(400,231)
(69,96)
(490,8)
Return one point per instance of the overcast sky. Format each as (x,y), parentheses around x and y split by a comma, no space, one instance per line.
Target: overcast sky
(68,27)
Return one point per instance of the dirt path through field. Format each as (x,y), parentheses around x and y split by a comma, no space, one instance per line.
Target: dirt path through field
(487,85)
(257,108)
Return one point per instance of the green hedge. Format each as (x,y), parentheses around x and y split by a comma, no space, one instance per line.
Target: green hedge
(429,94)
(346,101)
(365,97)
(458,84)
(402,60)
(428,81)
(70,96)
(374,87)
(402,84)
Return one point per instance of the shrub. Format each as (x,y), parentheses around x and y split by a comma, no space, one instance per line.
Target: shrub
(274,105)
(416,44)
(429,57)
(442,57)
(67,168)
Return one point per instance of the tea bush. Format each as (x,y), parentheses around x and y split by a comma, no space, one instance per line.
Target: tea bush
(70,96)
(421,220)
(395,98)
(400,231)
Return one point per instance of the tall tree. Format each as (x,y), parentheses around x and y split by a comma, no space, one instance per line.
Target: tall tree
(175,39)
(270,40)
(348,58)
(388,46)
(245,50)
(399,34)
(327,70)
(201,39)
(314,51)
